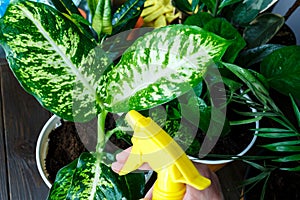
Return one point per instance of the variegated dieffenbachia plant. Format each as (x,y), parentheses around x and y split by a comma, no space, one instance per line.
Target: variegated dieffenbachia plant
(55,58)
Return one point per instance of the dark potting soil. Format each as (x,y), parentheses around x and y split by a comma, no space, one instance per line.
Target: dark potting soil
(64,146)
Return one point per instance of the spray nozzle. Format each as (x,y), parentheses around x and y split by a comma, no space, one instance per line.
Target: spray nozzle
(152,145)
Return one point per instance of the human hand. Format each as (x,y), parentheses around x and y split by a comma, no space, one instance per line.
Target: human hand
(213,192)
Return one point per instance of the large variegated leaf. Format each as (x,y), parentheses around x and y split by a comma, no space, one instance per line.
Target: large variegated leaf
(62,182)
(52,59)
(91,179)
(162,65)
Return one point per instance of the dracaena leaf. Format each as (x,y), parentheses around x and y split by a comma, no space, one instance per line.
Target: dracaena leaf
(161,66)
(52,59)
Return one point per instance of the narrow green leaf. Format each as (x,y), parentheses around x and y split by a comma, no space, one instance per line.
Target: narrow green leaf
(255,165)
(255,179)
(245,121)
(288,158)
(262,29)
(274,130)
(291,169)
(282,148)
(286,124)
(126,16)
(161,66)
(53,60)
(278,135)
(284,143)
(296,110)
(251,81)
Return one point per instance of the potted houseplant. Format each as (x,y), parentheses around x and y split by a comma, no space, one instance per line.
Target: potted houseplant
(75,72)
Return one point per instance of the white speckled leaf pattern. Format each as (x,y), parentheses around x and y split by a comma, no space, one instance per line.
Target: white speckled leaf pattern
(53,60)
(89,178)
(161,66)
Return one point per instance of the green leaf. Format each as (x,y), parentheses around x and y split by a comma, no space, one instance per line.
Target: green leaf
(53,60)
(284,143)
(101,20)
(225,3)
(161,66)
(278,135)
(69,8)
(211,5)
(291,158)
(62,182)
(126,16)
(92,4)
(91,179)
(282,69)
(246,11)
(291,169)
(66,6)
(199,19)
(262,29)
(274,130)
(255,165)
(245,121)
(296,110)
(256,54)
(223,28)
(282,148)
(251,81)
(183,5)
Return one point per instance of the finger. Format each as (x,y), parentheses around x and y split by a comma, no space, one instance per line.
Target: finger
(148,196)
(145,166)
(116,166)
(122,156)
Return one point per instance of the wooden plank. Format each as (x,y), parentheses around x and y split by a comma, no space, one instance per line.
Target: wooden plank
(23,119)
(230,178)
(3,163)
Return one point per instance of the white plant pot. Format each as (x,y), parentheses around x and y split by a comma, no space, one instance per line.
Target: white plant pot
(42,147)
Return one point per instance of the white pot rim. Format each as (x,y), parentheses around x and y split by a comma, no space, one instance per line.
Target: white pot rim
(42,147)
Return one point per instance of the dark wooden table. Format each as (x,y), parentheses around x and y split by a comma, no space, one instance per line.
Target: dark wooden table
(21,119)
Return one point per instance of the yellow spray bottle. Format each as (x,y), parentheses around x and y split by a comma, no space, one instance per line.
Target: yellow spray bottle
(152,145)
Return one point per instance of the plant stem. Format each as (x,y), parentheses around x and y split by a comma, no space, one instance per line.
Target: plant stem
(101,131)
(292,10)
